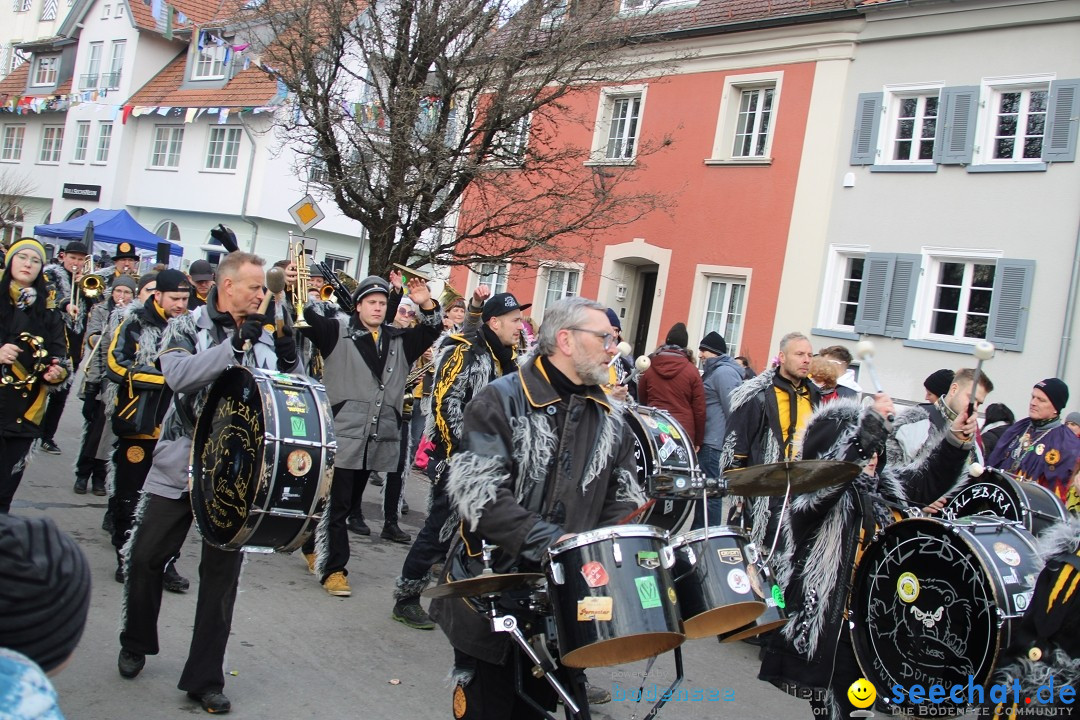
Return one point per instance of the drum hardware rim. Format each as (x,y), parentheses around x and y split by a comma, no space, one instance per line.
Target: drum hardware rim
(622,531)
(301,443)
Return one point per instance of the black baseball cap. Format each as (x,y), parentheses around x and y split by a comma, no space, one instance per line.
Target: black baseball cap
(172,281)
(500,304)
(201,270)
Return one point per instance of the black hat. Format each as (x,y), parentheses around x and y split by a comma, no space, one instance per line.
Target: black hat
(677,335)
(315,271)
(371,284)
(613,318)
(500,304)
(75,246)
(201,270)
(713,342)
(1056,390)
(45,581)
(172,281)
(938,382)
(146,280)
(125,251)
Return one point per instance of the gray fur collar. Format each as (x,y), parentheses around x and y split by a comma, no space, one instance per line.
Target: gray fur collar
(1063,537)
(751,388)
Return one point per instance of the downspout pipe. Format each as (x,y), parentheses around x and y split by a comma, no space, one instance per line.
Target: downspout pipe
(1070,308)
(247,185)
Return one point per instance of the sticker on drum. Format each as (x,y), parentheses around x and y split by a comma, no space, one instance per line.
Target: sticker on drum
(135,454)
(731,556)
(595,608)
(298,426)
(907,587)
(294,403)
(1022,600)
(1007,553)
(672,596)
(756,581)
(738,581)
(667,448)
(648,592)
(595,575)
(298,463)
(648,559)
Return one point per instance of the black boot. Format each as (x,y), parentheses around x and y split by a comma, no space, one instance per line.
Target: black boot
(80,485)
(391,532)
(357,525)
(173,582)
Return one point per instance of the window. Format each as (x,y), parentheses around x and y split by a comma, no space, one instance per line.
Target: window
(104,141)
(13,143)
(224,149)
(212,256)
(120,10)
(724,309)
(48,10)
(555,14)
(561,283)
(618,121)
(82,141)
(493,275)
(209,63)
(45,70)
(89,81)
(111,80)
(1019,123)
(106,11)
(52,138)
(913,129)
(337,264)
(850,289)
(753,125)
(167,143)
(961,302)
(11,225)
(508,146)
(168,230)
(22,5)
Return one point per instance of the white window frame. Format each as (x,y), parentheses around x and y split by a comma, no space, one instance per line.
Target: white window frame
(723,324)
(11,225)
(727,122)
(540,293)
(111,80)
(208,63)
(89,81)
(495,275)
(508,147)
(46,71)
(120,10)
(555,15)
(602,128)
(923,311)
(168,230)
(893,96)
(104,143)
(219,158)
(12,142)
(986,123)
(834,282)
(82,141)
(704,277)
(337,263)
(166,147)
(639,7)
(106,11)
(52,142)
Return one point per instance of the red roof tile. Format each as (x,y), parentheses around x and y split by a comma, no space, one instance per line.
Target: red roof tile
(249,88)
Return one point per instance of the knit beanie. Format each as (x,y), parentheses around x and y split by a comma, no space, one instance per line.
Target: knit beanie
(613,319)
(124,281)
(44,590)
(24,244)
(677,335)
(714,342)
(939,381)
(1056,390)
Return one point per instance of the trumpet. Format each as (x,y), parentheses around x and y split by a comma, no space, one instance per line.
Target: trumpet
(303,276)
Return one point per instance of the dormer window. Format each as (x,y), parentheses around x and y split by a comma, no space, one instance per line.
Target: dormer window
(209,63)
(45,70)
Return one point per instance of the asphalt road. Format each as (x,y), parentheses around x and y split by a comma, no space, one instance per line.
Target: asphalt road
(296,652)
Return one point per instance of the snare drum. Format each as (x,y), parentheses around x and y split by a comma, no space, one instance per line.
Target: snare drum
(712,581)
(612,596)
(261,460)
(998,494)
(768,592)
(936,601)
(662,448)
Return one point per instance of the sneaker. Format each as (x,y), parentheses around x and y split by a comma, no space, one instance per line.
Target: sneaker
(357,525)
(50,447)
(212,702)
(310,557)
(173,581)
(377,480)
(410,613)
(404,508)
(393,533)
(337,584)
(130,663)
(80,485)
(596,695)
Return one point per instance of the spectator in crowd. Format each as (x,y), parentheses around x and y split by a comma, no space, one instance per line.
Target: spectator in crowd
(1072,421)
(720,375)
(998,417)
(937,384)
(846,387)
(748,368)
(672,383)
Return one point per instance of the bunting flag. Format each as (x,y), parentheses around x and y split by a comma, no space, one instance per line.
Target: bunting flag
(168,22)
(189,115)
(223,116)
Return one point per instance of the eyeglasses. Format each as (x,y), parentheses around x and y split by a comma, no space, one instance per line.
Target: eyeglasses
(608,338)
(406,312)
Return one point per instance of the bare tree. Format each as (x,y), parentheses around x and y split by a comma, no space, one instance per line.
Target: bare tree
(15,187)
(413,116)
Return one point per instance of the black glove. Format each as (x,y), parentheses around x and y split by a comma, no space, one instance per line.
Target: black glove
(285,347)
(252,330)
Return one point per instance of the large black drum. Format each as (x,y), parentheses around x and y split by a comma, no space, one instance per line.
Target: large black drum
(997,494)
(662,448)
(713,580)
(261,460)
(936,601)
(612,596)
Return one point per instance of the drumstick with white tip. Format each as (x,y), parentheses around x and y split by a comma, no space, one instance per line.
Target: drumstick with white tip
(642,364)
(864,350)
(275,283)
(984,350)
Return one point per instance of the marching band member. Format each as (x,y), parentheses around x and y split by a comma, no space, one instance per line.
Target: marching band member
(197,346)
(201,274)
(24,312)
(466,364)
(512,487)
(366,365)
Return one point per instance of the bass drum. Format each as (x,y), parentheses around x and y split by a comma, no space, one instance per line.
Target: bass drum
(937,601)
(661,447)
(261,460)
(997,494)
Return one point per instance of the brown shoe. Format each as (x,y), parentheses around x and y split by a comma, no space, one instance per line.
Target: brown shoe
(337,584)
(310,557)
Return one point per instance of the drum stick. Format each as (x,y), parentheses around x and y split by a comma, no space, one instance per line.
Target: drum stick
(984,350)
(275,283)
(633,514)
(864,350)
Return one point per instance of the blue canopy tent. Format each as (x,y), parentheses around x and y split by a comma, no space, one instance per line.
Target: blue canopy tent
(112,227)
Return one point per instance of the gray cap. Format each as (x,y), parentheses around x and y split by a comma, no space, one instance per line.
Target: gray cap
(1073,417)
(371,284)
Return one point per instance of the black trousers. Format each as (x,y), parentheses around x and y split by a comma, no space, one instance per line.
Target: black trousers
(428,549)
(492,693)
(845,672)
(131,462)
(53,411)
(13,452)
(157,537)
(87,465)
(346,489)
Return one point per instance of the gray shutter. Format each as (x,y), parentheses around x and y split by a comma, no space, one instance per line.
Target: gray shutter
(955,138)
(907,271)
(1062,120)
(874,295)
(867,123)
(1011,303)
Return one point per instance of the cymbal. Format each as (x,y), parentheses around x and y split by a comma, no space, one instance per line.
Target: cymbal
(805,476)
(482,585)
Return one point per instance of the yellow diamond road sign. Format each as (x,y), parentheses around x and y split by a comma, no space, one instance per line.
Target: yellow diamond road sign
(306,213)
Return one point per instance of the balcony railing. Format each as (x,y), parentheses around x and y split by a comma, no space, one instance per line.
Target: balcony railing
(88,82)
(110,81)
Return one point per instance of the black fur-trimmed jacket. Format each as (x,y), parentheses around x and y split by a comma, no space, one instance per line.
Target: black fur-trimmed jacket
(825,528)
(131,363)
(532,467)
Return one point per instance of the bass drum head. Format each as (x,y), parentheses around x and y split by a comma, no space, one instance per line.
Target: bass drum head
(227,454)
(644,421)
(934,600)
(995,494)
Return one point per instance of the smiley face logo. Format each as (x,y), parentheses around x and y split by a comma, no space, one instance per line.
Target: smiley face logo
(862,694)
